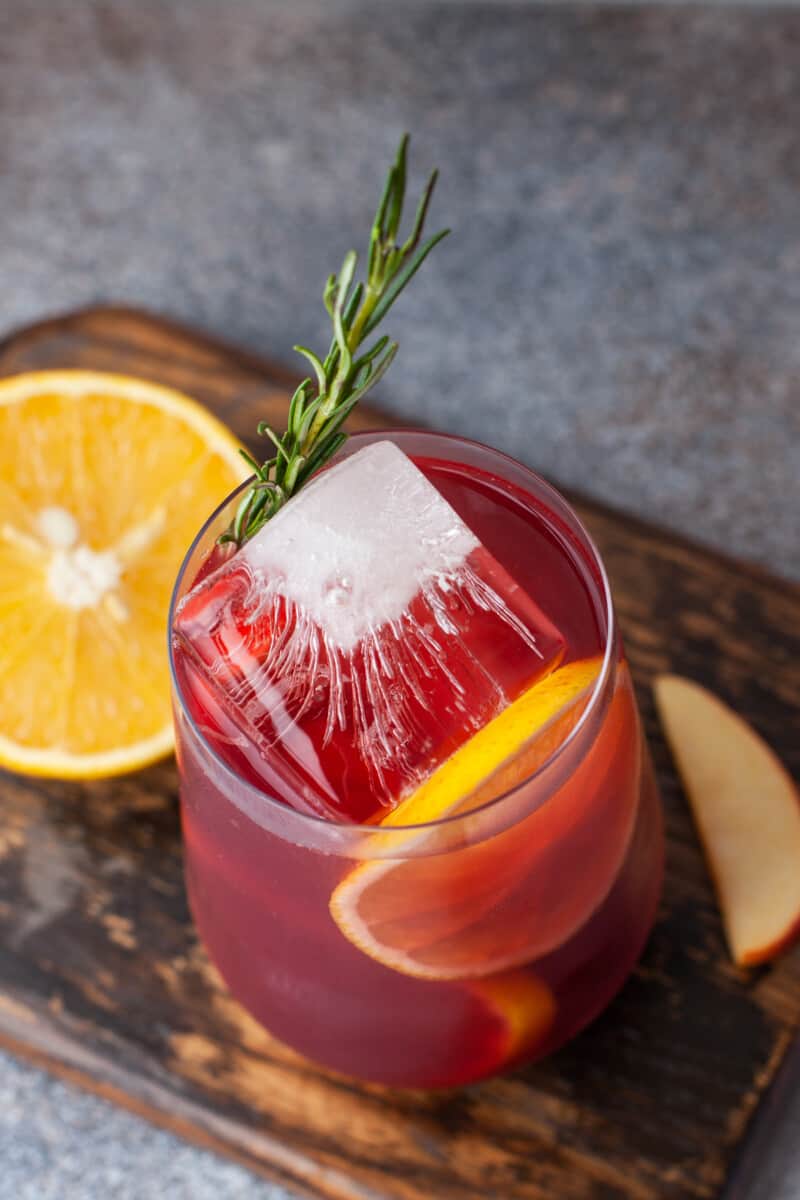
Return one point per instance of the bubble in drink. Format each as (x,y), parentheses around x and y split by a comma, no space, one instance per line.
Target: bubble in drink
(360,637)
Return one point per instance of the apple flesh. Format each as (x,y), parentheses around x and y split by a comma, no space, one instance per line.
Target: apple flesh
(747,811)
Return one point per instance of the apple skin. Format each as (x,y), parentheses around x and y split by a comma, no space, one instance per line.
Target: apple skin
(747,811)
(755,957)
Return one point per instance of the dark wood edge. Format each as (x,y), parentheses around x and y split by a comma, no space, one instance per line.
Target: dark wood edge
(157,1115)
(261,365)
(46,1047)
(767,1116)
(258,364)
(50,1050)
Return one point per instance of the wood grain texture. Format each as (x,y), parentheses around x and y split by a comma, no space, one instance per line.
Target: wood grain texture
(102,978)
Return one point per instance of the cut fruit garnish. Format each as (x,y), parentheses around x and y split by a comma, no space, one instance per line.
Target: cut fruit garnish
(747,811)
(425,916)
(349,368)
(495,758)
(524,1005)
(387,631)
(101,479)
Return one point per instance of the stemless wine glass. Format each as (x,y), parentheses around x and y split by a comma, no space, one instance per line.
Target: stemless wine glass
(438,953)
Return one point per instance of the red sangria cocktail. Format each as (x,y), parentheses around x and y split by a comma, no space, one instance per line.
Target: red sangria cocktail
(422,838)
(423,842)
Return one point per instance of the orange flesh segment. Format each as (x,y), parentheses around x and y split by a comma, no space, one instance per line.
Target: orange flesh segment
(432,916)
(505,751)
(525,1006)
(103,482)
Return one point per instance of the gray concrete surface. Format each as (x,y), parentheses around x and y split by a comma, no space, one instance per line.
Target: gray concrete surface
(59,1144)
(619,304)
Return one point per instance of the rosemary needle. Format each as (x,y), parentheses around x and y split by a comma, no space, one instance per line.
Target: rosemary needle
(323,400)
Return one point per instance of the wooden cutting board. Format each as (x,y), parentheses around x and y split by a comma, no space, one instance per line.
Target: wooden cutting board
(102,978)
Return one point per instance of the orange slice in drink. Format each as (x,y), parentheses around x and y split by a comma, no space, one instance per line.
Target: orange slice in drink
(524,1006)
(436,916)
(103,482)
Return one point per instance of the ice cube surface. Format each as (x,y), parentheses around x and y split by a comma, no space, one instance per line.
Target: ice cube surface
(359,542)
(362,635)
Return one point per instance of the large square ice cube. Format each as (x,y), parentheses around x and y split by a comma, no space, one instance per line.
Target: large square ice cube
(363,635)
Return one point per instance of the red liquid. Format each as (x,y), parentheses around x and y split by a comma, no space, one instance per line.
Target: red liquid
(347,733)
(560,901)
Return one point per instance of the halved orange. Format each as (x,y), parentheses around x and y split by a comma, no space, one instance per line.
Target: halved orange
(104,480)
(436,916)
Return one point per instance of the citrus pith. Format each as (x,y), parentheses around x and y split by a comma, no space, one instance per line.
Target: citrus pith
(103,482)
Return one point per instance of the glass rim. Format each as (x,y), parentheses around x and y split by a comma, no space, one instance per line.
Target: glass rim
(452,820)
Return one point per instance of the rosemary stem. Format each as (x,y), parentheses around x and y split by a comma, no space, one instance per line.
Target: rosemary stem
(318,409)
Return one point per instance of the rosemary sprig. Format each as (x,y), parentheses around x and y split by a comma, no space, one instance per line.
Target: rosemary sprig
(323,401)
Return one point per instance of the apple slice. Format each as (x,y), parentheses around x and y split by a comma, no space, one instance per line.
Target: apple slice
(747,811)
